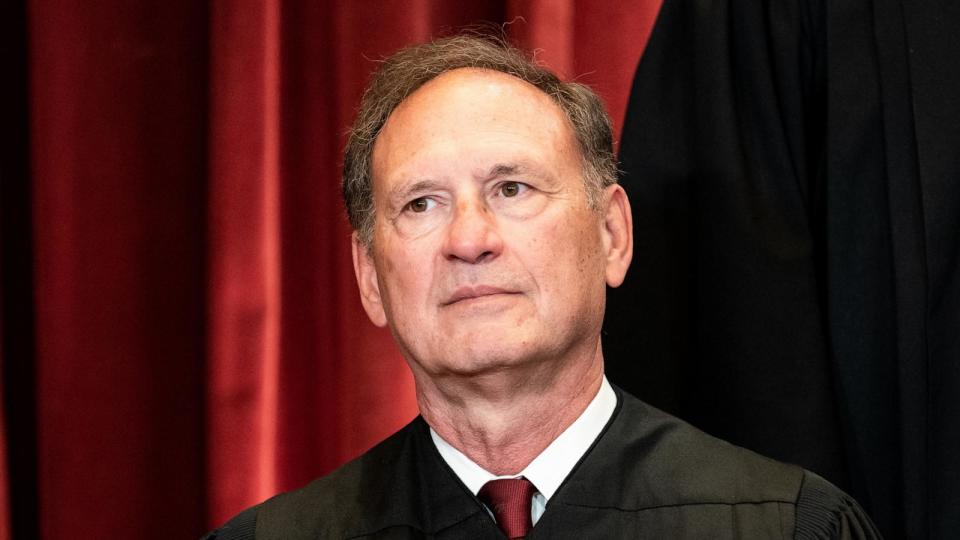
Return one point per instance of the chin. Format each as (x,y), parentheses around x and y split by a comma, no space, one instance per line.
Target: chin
(480,360)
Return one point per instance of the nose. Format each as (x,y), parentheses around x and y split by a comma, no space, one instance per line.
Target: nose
(473,235)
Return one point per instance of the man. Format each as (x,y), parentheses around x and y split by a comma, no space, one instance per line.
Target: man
(488,224)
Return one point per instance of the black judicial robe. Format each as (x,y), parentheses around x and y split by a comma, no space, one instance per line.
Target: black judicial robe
(648,475)
(794,172)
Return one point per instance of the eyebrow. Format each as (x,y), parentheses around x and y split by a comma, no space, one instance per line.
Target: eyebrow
(516,168)
(504,169)
(402,193)
(399,195)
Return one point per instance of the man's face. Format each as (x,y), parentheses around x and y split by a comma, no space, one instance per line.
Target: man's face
(485,250)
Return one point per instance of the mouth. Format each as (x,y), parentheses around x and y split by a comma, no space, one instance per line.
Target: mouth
(466,294)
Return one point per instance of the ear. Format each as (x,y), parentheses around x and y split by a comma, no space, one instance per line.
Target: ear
(367,282)
(617,234)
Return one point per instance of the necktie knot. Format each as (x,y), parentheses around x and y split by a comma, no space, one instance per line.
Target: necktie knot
(509,500)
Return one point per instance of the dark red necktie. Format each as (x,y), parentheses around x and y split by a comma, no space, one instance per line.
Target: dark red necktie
(509,500)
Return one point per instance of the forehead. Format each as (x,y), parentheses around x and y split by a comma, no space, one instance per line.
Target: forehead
(473,86)
(470,110)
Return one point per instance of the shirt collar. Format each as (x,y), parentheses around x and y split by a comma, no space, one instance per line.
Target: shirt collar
(551,466)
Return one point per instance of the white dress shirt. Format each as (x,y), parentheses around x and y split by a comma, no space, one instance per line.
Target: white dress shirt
(548,470)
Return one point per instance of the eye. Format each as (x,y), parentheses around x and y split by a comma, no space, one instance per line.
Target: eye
(421,205)
(512,189)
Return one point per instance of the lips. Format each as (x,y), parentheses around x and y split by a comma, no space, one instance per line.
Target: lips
(469,293)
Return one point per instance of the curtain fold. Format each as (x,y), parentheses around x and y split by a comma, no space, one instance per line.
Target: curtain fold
(244,305)
(199,341)
(17,422)
(117,106)
(5,533)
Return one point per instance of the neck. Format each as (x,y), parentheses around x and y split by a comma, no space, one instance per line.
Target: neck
(503,420)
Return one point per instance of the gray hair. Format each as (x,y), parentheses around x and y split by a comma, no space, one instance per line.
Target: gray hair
(412,67)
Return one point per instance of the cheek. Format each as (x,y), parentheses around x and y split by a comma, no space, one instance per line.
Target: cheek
(405,278)
(394,257)
(561,257)
(577,262)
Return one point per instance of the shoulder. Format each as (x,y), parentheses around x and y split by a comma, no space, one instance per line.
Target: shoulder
(825,511)
(658,468)
(240,527)
(327,503)
(693,466)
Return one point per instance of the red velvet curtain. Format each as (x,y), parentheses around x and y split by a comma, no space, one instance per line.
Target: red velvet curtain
(198,340)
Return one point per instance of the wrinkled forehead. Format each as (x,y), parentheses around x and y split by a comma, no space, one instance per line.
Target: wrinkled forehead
(471,103)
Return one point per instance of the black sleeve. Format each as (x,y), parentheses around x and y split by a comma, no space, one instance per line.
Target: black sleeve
(241,527)
(825,512)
